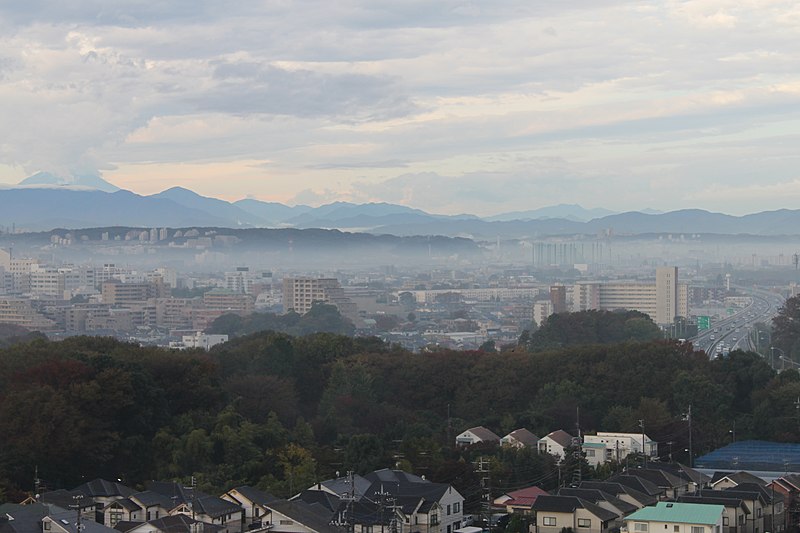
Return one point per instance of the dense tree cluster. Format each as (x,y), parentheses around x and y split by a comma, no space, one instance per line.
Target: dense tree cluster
(590,327)
(280,412)
(321,317)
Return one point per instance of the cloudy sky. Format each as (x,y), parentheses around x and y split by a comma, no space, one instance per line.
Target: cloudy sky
(449,106)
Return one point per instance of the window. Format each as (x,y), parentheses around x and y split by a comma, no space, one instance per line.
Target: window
(726,521)
(589,453)
(457,525)
(450,529)
(115,517)
(640,527)
(457,508)
(286,522)
(434,519)
(758,513)
(676,529)
(548,520)
(584,522)
(258,512)
(448,510)
(698,529)
(47,525)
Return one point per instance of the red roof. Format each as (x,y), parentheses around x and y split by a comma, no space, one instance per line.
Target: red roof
(522,497)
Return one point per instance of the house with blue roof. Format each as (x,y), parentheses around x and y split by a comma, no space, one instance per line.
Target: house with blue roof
(675,517)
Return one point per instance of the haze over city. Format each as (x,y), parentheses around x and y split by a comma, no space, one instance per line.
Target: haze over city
(451,107)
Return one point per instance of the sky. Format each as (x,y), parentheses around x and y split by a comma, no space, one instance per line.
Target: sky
(476,107)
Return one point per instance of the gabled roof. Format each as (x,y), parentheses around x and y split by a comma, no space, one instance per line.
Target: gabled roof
(560,436)
(126,503)
(341,486)
(737,478)
(256,496)
(66,498)
(638,483)
(105,489)
(214,506)
(790,481)
(524,436)
(660,478)
(726,502)
(26,518)
(394,476)
(596,496)
(149,498)
(618,489)
(768,495)
(179,523)
(568,504)
(319,497)
(485,435)
(522,498)
(676,512)
(681,471)
(311,516)
(175,491)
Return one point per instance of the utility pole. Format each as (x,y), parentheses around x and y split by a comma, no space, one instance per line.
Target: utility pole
(577,453)
(644,453)
(78,526)
(486,490)
(689,418)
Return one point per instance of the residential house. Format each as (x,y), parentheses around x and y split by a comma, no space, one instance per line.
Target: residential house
(520,438)
(70,499)
(554,513)
(103,492)
(676,517)
(253,501)
(476,435)
(46,518)
(620,445)
(640,484)
(168,524)
(422,506)
(788,486)
(605,500)
(625,493)
(518,501)
(556,442)
(725,480)
(123,510)
(695,479)
(209,509)
(594,453)
(289,516)
(734,520)
(671,486)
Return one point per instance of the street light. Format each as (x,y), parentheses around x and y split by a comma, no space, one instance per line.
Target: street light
(772,354)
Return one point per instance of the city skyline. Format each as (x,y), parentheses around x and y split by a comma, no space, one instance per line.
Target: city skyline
(450,108)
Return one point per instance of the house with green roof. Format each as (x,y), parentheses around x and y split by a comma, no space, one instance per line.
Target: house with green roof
(674,517)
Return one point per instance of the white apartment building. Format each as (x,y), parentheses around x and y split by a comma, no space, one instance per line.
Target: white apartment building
(662,301)
(481,295)
(299,294)
(619,445)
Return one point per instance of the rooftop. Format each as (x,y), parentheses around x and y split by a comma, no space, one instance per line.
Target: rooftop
(689,513)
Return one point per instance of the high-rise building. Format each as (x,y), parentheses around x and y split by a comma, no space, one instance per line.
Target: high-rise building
(558,297)
(662,301)
(299,294)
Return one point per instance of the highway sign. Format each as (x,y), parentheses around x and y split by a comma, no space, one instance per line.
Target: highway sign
(703,322)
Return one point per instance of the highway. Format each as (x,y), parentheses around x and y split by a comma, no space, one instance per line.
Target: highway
(733,332)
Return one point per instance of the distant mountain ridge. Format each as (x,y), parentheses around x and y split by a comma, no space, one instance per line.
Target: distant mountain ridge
(90,181)
(43,206)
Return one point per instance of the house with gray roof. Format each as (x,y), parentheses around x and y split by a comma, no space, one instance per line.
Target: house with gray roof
(623,492)
(556,442)
(475,435)
(253,501)
(554,513)
(520,438)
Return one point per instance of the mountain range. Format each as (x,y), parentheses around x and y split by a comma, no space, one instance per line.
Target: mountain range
(44,202)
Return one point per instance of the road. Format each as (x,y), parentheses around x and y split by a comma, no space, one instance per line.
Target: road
(734,332)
